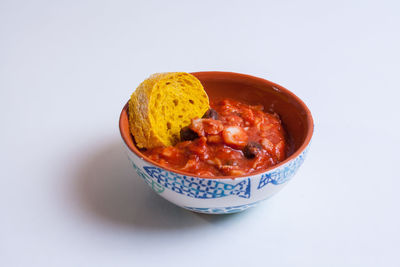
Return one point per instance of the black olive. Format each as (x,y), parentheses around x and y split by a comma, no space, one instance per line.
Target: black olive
(211,114)
(251,149)
(188,134)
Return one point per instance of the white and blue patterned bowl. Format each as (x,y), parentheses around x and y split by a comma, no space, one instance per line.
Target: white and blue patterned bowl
(223,195)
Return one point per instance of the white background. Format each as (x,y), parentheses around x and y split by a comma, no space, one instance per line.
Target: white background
(68,196)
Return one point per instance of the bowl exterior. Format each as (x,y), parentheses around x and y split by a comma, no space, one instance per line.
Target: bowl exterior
(215,196)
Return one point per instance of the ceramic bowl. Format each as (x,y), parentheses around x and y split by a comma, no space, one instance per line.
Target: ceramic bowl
(225,194)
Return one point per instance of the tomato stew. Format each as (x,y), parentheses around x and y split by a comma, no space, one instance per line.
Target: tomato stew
(231,139)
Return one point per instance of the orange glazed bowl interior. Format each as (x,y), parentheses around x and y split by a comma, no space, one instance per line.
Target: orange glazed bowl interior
(295,116)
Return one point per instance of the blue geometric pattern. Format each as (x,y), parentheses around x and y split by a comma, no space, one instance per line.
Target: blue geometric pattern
(153,184)
(223,210)
(280,175)
(197,187)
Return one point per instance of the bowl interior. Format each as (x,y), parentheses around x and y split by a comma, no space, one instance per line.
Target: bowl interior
(295,116)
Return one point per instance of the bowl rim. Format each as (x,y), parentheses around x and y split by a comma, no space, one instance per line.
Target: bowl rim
(282,89)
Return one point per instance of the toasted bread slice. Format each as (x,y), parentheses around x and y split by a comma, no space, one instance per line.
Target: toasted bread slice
(162,105)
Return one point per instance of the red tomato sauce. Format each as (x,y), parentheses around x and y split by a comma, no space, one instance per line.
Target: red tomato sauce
(232,139)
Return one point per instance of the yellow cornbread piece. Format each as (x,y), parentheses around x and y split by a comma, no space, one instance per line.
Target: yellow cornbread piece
(162,105)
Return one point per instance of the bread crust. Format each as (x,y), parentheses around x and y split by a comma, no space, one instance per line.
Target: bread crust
(162,105)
